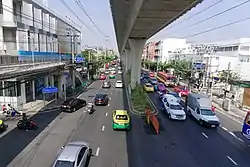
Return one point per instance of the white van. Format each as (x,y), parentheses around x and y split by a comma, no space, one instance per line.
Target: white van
(200,107)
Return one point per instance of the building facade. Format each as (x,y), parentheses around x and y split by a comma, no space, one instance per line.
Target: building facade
(28,27)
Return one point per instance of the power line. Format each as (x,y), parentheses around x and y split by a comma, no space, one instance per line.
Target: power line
(196,14)
(215,15)
(65,4)
(216,28)
(89,17)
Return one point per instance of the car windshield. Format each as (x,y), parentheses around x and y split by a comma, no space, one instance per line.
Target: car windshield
(100,96)
(175,107)
(64,164)
(175,95)
(207,112)
(148,85)
(121,117)
(68,101)
(106,83)
(118,81)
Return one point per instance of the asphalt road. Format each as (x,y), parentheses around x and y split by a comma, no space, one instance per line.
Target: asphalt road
(188,144)
(109,146)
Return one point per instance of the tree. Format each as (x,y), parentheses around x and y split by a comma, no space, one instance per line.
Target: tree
(231,78)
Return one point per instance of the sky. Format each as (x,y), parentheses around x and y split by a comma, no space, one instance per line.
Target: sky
(99,10)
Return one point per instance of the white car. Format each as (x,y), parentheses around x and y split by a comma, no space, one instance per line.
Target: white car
(106,72)
(119,84)
(173,109)
(119,72)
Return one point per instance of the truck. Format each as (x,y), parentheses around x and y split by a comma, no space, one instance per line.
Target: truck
(200,107)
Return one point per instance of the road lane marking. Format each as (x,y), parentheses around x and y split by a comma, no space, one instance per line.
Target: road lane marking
(231,133)
(204,135)
(108,104)
(232,160)
(110,98)
(106,114)
(240,139)
(224,128)
(97,151)
(85,111)
(103,127)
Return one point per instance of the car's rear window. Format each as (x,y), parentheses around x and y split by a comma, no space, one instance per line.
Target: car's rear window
(68,101)
(175,107)
(121,117)
(150,86)
(60,163)
(100,96)
(119,82)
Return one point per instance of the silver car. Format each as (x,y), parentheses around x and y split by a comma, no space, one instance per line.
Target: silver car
(74,154)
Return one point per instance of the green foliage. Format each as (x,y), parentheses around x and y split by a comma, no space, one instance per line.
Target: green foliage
(232,76)
(128,76)
(139,99)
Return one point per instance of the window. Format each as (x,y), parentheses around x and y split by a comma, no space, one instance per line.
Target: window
(175,107)
(80,156)
(64,164)
(207,112)
(244,48)
(235,48)
(228,49)
(121,117)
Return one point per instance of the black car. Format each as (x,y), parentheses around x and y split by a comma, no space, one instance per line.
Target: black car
(73,104)
(101,99)
(106,84)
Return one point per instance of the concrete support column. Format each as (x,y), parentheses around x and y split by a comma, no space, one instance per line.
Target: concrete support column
(136,46)
(52,80)
(33,90)
(46,81)
(61,86)
(23,91)
(73,77)
(127,62)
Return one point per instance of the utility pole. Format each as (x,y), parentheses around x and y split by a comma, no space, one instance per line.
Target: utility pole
(88,65)
(226,85)
(191,74)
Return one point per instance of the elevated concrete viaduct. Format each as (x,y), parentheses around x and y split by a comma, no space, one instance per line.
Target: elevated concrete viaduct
(137,20)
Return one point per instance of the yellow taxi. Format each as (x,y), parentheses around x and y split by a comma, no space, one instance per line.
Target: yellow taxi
(121,120)
(148,87)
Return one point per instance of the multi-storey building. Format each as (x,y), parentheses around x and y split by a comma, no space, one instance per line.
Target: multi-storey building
(28,27)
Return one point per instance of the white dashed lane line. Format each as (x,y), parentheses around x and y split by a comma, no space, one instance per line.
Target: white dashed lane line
(224,128)
(231,133)
(204,135)
(106,114)
(230,159)
(108,105)
(103,127)
(97,151)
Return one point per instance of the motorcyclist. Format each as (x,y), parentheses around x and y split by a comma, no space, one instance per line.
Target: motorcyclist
(25,119)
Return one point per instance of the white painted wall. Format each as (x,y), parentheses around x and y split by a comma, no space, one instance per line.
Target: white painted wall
(1,38)
(23,38)
(27,14)
(52,25)
(43,43)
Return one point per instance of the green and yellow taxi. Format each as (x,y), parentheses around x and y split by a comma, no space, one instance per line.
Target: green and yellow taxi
(121,120)
(148,87)
(111,76)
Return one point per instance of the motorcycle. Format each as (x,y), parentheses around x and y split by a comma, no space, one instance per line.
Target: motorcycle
(27,126)
(91,109)
(3,128)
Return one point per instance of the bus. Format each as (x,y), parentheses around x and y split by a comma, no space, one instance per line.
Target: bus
(167,79)
(246,126)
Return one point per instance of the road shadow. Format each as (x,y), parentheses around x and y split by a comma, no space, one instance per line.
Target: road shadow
(16,140)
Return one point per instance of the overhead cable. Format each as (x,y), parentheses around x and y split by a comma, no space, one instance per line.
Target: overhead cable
(215,15)
(65,4)
(216,28)
(89,17)
(196,14)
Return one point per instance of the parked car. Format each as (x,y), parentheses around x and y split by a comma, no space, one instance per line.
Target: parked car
(119,84)
(182,90)
(102,77)
(101,99)
(106,84)
(73,104)
(119,72)
(74,154)
(121,120)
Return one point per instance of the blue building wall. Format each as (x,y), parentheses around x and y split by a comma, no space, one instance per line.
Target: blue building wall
(43,56)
